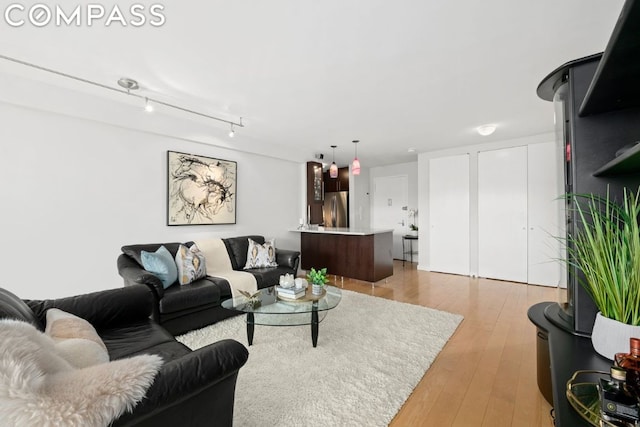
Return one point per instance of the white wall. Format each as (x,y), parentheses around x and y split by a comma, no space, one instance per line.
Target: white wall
(73,191)
(409,169)
(359,199)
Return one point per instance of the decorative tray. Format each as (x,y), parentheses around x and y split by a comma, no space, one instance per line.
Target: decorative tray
(585,399)
(308,296)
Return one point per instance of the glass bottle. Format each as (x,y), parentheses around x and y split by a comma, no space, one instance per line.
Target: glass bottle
(617,405)
(631,363)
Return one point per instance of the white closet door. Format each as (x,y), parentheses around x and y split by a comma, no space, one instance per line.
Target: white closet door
(502,214)
(544,214)
(449,214)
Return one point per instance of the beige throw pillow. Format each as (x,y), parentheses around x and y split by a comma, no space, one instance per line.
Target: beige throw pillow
(261,256)
(190,263)
(76,340)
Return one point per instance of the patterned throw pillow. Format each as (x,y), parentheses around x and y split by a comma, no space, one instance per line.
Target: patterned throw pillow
(190,263)
(161,264)
(260,256)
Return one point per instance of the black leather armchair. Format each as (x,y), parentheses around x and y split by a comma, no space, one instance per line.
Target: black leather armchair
(181,308)
(194,388)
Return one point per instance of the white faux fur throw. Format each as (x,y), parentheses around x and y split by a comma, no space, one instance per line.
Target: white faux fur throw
(40,388)
(218,264)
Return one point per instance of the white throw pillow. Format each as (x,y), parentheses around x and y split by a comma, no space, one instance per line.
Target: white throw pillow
(190,263)
(261,256)
(76,339)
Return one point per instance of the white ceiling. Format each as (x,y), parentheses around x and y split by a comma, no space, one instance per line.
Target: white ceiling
(308,74)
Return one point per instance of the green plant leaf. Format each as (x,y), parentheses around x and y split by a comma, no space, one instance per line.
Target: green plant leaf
(606,248)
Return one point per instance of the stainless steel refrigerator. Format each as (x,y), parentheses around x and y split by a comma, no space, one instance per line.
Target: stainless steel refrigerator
(336,209)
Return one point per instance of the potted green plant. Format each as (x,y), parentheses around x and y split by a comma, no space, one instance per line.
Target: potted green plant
(413,228)
(317,278)
(606,249)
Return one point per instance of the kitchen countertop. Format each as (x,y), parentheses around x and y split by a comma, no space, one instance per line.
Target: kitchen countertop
(344,230)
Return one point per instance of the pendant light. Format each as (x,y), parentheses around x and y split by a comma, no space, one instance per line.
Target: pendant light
(333,169)
(355,166)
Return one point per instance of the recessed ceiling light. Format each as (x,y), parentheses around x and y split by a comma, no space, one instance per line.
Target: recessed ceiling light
(486,130)
(411,150)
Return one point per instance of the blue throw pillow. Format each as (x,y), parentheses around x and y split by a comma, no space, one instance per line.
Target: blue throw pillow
(161,264)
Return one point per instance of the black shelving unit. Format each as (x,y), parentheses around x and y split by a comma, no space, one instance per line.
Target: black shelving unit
(599,99)
(591,142)
(616,85)
(625,163)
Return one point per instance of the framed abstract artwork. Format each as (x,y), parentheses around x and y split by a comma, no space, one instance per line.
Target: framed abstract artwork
(201,190)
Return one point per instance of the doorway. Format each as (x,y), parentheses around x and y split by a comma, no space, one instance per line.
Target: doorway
(389,208)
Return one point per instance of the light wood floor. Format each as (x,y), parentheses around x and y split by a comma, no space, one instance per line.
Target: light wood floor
(486,374)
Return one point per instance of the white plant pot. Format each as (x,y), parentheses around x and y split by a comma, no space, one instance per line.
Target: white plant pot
(316,289)
(610,336)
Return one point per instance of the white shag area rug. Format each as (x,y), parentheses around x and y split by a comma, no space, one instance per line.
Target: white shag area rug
(371,354)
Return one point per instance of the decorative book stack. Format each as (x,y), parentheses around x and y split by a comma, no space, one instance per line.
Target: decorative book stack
(290,293)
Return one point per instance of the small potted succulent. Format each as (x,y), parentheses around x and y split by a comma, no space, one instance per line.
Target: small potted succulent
(413,229)
(317,278)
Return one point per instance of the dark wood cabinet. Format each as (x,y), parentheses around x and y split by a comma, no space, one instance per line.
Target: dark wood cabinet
(330,184)
(341,183)
(363,257)
(315,192)
(343,179)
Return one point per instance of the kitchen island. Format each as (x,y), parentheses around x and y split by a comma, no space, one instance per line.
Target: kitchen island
(357,253)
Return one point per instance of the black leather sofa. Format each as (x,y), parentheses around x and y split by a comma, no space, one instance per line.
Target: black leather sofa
(183,308)
(192,388)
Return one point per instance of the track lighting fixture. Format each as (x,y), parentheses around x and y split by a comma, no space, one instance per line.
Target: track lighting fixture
(355,165)
(333,169)
(147,106)
(130,84)
(127,84)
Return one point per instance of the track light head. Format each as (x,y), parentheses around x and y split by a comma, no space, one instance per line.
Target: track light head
(148,107)
(232,132)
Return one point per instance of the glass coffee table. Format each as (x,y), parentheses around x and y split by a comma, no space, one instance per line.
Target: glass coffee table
(272,310)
